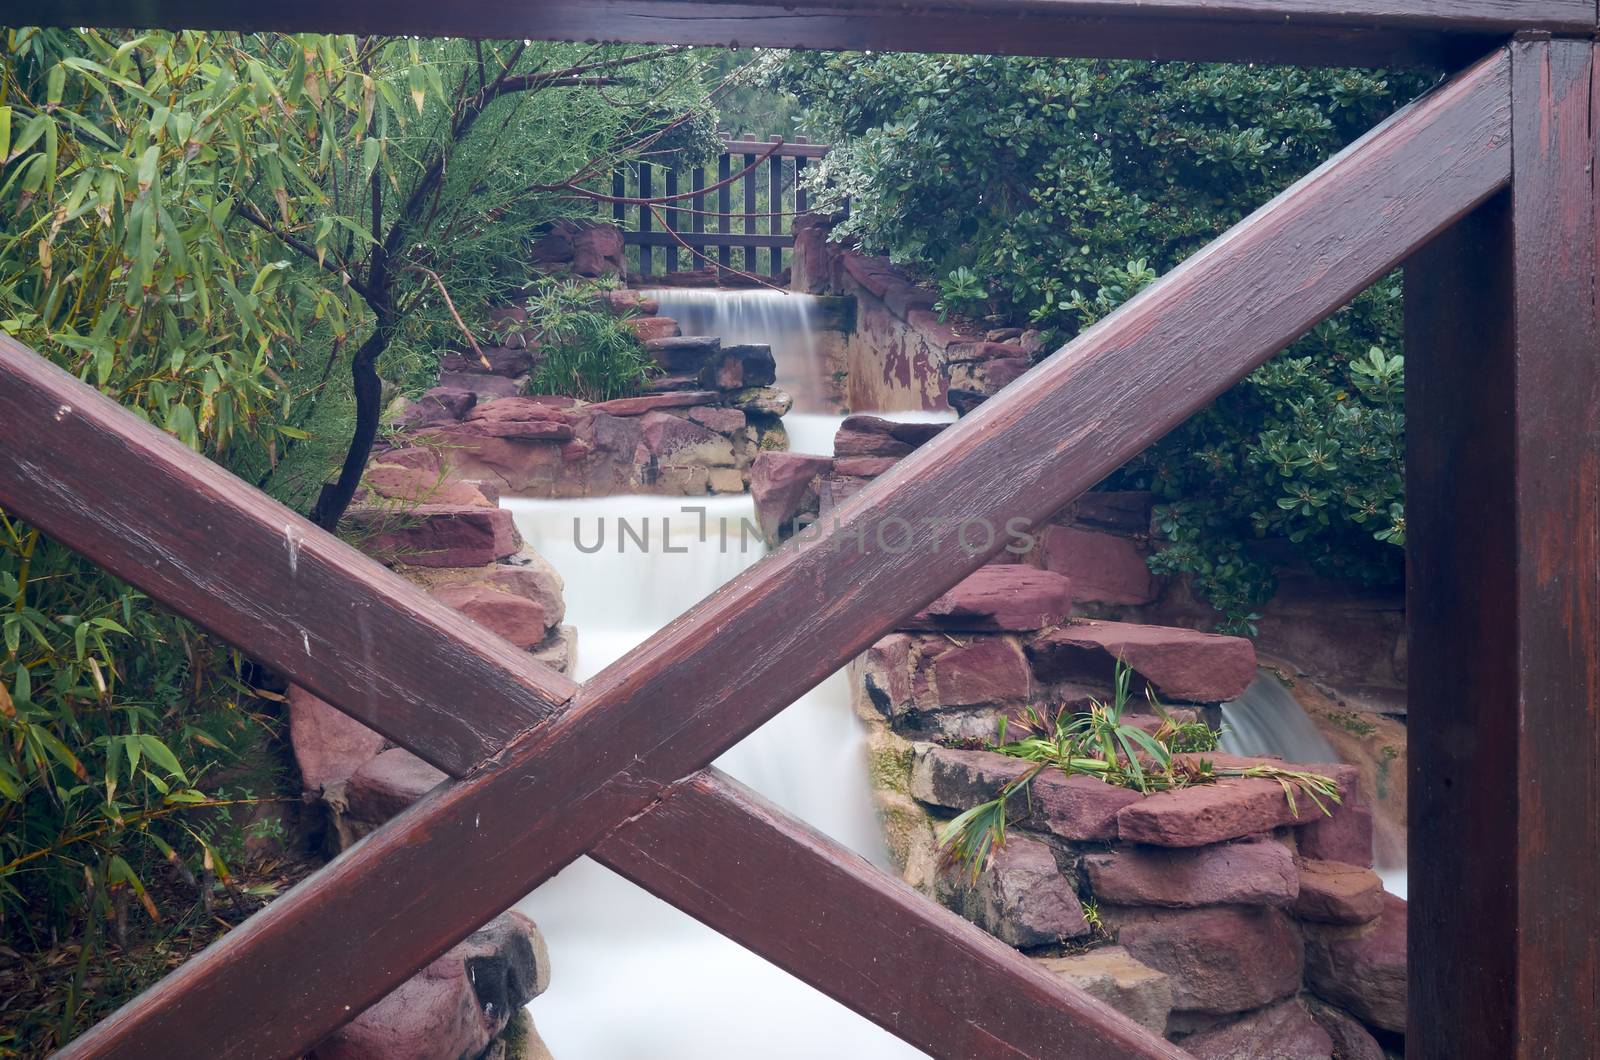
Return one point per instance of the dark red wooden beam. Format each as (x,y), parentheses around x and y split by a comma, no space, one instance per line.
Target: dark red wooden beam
(275,986)
(195,537)
(1503,595)
(721,853)
(1344,32)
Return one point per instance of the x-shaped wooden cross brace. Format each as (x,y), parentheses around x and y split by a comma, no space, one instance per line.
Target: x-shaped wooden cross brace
(546,771)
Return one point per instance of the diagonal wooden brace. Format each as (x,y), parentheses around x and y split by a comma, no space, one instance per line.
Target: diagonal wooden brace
(597,773)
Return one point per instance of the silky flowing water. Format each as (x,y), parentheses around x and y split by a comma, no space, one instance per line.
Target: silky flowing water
(1268,720)
(632,976)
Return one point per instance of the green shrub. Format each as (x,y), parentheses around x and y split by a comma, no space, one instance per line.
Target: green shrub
(1049,192)
(585,350)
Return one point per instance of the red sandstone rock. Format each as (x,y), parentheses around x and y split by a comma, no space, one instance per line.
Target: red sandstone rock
(1081,809)
(1131,987)
(780,484)
(522,430)
(982,671)
(520,409)
(439,405)
(1351,1041)
(456,1005)
(738,367)
(675,440)
(657,327)
(385,785)
(1105,568)
(1345,836)
(638,406)
(442,536)
(1021,897)
(864,466)
(1222,959)
(422,486)
(329,745)
(1284,1031)
(999,597)
(1335,893)
(1363,969)
(1181,664)
(597,250)
(684,353)
(415,457)
(1230,808)
(1256,872)
(528,574)
(723,421)
(518,619)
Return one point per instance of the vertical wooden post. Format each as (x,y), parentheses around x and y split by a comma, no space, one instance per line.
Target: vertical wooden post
(671,214)
(724,208)
(645,264)
(698,181)
(1503,586)
(775,207)
(750,264)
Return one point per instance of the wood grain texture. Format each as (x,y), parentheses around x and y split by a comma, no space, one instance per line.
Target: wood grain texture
(735,660)
(722,854)
(1503,587)
(1341,32)
(145,507)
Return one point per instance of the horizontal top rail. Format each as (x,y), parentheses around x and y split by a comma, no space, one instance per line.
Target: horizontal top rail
(636,731)
(1344,32)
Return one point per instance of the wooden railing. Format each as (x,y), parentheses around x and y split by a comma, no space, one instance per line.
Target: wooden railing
(1484,188)
(697,219)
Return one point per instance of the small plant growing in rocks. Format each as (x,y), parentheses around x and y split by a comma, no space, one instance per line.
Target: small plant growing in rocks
(1101,742)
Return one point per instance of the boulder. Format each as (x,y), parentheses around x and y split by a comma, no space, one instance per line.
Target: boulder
(864,466)
(981,671)
(684,353)
(781,484)
(1120,511)
(431,535)
(1006,596)
(657,327)
(638,406)
(455,1006)
(442,404)
(1344,836)
(1284,1031)
(383,787)
(597,249)
(627,300)
(559,650)
(1363,969)
(1253,872)
(721,420)
(1332,892)
(1077,808)
(672,440)
(1103,568)
(520,620)
(530,575)
(1351,1041)
(509,326)
(862,435)
(1180,664)
(422,486)
(763,400)
(740,367)
(1112,975)
(329,745)
(526,418)
(1222,959)
(1021,897)
(1230,808)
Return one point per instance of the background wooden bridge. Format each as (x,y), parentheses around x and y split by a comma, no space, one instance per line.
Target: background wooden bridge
(1485,189)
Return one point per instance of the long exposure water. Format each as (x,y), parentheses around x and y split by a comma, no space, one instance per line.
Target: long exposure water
(633,978)
(1268,720)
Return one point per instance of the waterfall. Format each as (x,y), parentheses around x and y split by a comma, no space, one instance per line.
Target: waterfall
(1268,720)
(787,323)
(633,978)
(783,320)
